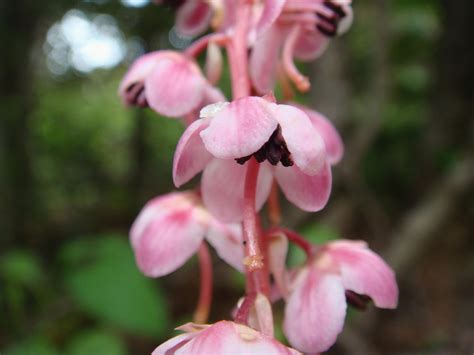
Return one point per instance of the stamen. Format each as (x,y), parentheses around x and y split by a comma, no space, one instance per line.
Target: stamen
(357,301)
(275,151)
(336,8)
(135,95)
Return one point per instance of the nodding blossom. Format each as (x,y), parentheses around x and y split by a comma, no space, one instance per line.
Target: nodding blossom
(302,30)
(289,144)
(223,337)
(170,229)
(148,83)
(338,273)
(193,17)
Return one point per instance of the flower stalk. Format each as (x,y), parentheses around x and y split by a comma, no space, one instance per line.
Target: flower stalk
(203,307)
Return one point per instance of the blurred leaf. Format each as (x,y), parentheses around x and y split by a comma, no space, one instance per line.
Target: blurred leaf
(413,78)
(21,267)
(316,234)
(96,342)
(36,346)
(103,279)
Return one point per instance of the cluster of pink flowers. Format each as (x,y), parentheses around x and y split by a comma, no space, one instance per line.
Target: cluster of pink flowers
(248,149)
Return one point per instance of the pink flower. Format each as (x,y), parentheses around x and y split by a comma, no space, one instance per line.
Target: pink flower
(289,144)
(316,305)
(147,83)
(223,337)
(170,229)
(193,17)
(302,30)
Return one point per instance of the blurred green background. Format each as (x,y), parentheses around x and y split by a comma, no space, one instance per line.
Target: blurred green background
(76,167)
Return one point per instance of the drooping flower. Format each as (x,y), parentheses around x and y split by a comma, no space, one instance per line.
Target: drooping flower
(339,272)
(289,144)
(193,17)
(302,31)
(169,82)
(223,337)
(170,229)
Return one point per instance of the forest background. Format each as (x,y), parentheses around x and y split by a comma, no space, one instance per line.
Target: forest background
(76,167)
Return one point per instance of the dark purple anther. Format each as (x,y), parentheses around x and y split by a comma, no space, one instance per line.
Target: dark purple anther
(357,301)
(135,95)
(329,24)
(275,151)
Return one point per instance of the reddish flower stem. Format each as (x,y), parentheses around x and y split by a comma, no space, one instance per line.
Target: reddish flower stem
(257,272)
(205,294)
(294,238)
(274,210)
(237,51)
(257,277)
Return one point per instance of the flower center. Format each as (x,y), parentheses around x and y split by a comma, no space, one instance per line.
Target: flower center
(275,150)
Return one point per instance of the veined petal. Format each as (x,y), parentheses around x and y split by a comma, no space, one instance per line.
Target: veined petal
(191,156)
(167,242)
(227,239)
(230,338)
(264,59)
(310,193)
(303,141)
(332,139)
(365,273)
(223,188)
(315,311)
(240,129)
(159,207)
(193,17)
(171,346)
(175,86)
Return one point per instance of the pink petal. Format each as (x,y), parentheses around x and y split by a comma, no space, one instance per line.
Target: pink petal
(264,59)
(310,46)
(223,188)
(175,86)
(193,17)
(365,273)
(190,156)
(277,251)
(227,239)
(240,129)
(332,139)
(230,338)
(264,315)
(315,311)
(213,67)
(138,72)
(212,95)
(310,193)
(346,22)
(171,346)
(158,208)
(164,241)
(303,141)
(271,11)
